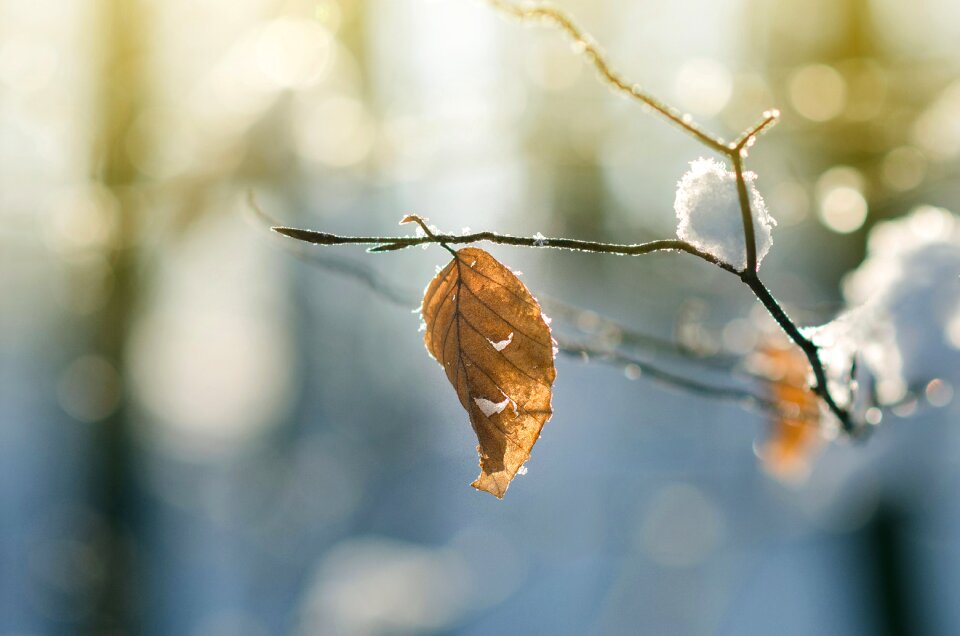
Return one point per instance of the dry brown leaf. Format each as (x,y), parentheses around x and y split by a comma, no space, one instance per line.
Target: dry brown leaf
(795,436)
(489,334)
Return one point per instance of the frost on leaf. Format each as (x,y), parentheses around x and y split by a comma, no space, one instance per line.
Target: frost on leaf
(794,436)
(709,216)
(467,308)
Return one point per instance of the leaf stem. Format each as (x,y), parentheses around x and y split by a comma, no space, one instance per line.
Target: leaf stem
(413,218)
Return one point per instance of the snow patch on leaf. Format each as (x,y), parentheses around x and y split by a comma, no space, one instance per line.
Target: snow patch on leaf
(503,344)
(489,407)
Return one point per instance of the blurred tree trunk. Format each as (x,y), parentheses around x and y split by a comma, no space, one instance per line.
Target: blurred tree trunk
(119,97)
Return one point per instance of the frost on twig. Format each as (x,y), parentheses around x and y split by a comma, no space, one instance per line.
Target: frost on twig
(709,216)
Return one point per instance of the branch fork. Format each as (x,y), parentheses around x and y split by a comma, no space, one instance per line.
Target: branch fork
(736,151)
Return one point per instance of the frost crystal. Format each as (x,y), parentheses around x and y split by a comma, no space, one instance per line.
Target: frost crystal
(488,407)
(709,216)
(522,471)
(539,239)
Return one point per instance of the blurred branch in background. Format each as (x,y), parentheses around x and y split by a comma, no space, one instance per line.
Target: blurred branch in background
(120,94)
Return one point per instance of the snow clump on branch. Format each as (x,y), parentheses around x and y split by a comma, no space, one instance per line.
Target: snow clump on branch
(709,216)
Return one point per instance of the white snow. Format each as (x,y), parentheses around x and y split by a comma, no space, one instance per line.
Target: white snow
(522,471)
(503,344)
(708,213)
(539,239)
(909,289)
(846,343)
(489,408)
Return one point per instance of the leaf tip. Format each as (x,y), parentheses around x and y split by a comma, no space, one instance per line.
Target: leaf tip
(489,486)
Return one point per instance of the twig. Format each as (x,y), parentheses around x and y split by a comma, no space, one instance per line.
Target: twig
(749,137)
(809,348)
(749,236)
(586,46)
(557,309)
(393,243)
(371,280)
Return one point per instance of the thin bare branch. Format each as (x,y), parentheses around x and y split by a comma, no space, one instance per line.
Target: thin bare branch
(392,243)
(586,46)
(808,347)
(749,136)
(749,236)
(394,295)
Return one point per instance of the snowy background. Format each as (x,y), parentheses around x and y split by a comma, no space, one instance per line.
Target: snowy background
(203,433)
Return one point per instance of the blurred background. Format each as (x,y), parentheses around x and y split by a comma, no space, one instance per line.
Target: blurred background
(205,430)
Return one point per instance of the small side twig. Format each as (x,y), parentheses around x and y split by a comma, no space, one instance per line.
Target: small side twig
(749,136)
